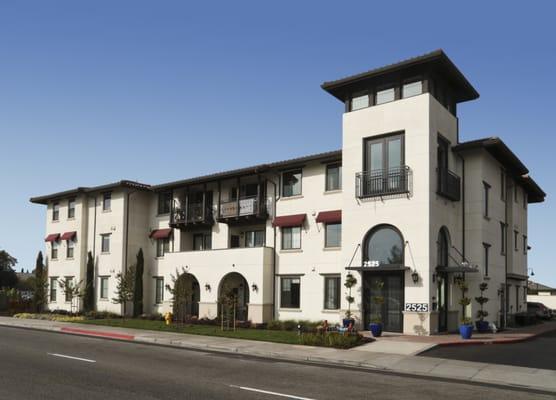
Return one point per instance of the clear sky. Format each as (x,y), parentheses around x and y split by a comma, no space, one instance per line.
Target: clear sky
(93,92)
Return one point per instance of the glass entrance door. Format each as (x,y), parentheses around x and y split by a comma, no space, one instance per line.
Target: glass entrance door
(442,296)
(388,287)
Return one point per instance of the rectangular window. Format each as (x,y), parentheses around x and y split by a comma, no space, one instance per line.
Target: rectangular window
(502,184)
(71,208)
(162,247)
(105,243)
(53,288)
(516,238)
(70,248)
(502,238)
(165,202)
(159,290)
(107,201)
(291,183)
(333,177)
(68,285)
(202,241)
(254,239)
(412,89)
(290,292)
(359,102)
(104,287)
(56,211)
(486,190)
(54,250)
(524,244)
(385,96)
(291,238)
(333,235)
(486,247)
(332,293)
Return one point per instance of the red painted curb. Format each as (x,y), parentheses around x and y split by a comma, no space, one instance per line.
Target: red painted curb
(121,336)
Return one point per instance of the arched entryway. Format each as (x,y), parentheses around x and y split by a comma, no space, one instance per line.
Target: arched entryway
(186,294)
(442,288)
(234,290)
(383,251)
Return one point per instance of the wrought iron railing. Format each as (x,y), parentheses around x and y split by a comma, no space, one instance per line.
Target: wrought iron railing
(383,182)
(449,184)
(192,213)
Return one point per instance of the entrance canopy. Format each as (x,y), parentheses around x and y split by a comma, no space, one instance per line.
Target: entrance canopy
(379,268)
(457,269)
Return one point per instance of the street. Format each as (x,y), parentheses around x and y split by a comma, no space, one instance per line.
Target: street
(54,366)
(537,353)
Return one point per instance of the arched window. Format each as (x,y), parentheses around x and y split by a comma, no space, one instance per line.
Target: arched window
(384,244)
(443,244)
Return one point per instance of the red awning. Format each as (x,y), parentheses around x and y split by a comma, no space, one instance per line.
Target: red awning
(330,217)
(289,220)
(53,237)
(68,235)
(161,233)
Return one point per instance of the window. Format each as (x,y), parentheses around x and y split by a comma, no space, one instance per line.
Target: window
(104,287)
(331,292)
(502,184)
(291,237)
(162,247)
(412,89)
(384,246)
(53,288)
(254,239)
(68,285)
(56,212)
(202,241)
(524,244)
(443,249)
(291,183)
(503,238)
(105,243)
(54,250)
(71,208)
(359,102)
(383,166)
(486,189)
(486,249)
(516,237)
(70,248)
(290,292)
(385,96)
(333,235)
(107,201)
(333,177)
(159,290)
(164,202)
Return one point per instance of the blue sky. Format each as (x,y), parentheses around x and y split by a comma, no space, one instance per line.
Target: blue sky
(93,92)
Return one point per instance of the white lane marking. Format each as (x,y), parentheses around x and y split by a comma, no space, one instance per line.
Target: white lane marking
(70,357)
(271,393)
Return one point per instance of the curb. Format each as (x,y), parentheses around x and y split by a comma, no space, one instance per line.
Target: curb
(85,332)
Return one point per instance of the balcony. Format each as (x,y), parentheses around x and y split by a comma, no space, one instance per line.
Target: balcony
(248,209)
(448,184)
(198,214)
(380,183)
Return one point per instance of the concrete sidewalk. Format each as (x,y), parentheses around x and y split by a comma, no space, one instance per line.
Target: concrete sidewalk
(368,356)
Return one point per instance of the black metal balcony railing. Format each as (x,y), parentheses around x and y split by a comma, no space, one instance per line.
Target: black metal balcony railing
(244,207)
(193,213)
(449,184)
(383,182)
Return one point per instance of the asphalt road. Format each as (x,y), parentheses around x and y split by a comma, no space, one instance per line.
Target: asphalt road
(537,353)
(37,365)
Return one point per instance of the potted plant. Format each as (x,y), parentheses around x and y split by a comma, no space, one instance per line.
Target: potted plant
(466,326)
(481,324)
(349,283)
(376,321)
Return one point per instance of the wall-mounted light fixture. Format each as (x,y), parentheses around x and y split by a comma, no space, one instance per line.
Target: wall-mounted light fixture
(207,287)
(415,276)
(254,287)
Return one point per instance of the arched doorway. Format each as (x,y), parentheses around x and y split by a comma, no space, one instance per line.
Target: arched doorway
(383,249)
(186,294)
(234,291)
(443,255)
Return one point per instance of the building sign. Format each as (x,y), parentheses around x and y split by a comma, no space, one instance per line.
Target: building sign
(371,263)
(417,307)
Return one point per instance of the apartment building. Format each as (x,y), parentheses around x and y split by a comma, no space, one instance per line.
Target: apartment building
(405,207)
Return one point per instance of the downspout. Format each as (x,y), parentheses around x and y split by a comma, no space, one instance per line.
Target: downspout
(462,206)
(275,255)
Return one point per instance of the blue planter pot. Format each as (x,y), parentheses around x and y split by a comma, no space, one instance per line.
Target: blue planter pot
(376,329)
(347,321)
(482,326)
(466,331)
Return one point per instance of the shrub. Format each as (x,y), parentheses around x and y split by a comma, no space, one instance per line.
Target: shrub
(274,325)
(101,315)
(289,325)
(332,339)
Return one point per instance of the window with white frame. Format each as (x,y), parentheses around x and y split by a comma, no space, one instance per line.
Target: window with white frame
(53,288)
(291,183)
(359,102)
(332,292)
(56,211)
(104,287)
(333,177)
(291,237)
(385,96)
(54,250)
(106,201)
(412,89)
(70,247)
(159,290)
(105,243)
(333,235)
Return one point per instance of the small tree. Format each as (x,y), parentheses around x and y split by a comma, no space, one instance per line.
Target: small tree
(138,286)
(228,300)
(72,291)
(464,301)
(40,285)
(378,301)
(181,294)
(482,300)
(349,283)
(124,288)
(89,295)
